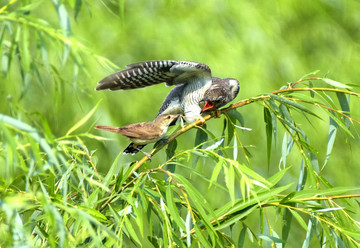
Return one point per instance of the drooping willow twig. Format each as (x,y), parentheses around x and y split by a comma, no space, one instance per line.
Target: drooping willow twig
(237,105)
(201,121)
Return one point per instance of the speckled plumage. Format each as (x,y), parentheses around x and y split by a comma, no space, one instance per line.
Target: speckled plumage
(192,80)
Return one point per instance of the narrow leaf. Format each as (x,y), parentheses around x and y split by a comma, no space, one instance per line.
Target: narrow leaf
(335,83)
(299,219)
(216,171)
(269,133)
(83,120)
(173,210)
(131,230)
(203,240)
(230,181)
(345,107)
(236,115)
(170,152)
(25,58)
(270,238)
(331,139)
(292,103)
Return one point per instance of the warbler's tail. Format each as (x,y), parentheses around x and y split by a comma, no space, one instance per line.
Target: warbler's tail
(107,128)
(133,149)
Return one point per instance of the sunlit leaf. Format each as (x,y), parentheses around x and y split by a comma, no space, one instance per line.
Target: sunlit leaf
(83,120)
(331,139)
(293,104)
(230,181)
(216,171)
(270,238)
(335,83)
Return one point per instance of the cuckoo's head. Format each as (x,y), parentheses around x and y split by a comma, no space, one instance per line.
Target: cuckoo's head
(221,92)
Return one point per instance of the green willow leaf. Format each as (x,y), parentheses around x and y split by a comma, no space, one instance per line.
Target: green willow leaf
(299,219)
(216,171)
(201,137)
(25,53)
(131,230)
(241,240)
(340,123)
(230,130)
(170,152)
(236,217)
(345,107)
(292,104)
(331,140)
(230,181)
(77,7)
(273,180)
(33,132)
(201,204)
(236,115)
(203,240)
(269,133)
(173,210)
(83,120)
(335,83)
(270,238)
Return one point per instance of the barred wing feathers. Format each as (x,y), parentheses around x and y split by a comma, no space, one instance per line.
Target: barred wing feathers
(148,73)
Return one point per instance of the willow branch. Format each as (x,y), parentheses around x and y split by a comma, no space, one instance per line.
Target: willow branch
(200,122)
(231,107)
(223,218)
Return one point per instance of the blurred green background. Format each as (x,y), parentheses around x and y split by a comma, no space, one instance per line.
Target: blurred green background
(263,44)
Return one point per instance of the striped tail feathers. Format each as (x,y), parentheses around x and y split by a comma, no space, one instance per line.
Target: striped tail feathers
(138,75)
(143,74)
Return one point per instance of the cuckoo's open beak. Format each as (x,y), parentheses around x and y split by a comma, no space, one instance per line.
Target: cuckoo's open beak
(208,105)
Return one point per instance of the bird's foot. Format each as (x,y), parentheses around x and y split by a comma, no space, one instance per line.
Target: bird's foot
(217,113)
(145,153)
(182,122)
(202,120)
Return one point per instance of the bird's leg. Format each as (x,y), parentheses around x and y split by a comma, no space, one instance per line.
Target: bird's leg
(217,113)
(202,120)
(145,153)
(182,123)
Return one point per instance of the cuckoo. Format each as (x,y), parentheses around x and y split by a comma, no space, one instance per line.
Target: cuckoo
(194,87)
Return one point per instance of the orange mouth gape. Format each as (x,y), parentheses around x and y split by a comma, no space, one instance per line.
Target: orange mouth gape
(208,105)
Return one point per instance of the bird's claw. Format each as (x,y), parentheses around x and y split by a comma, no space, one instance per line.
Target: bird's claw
(217,113)
(145,153)
(203,121)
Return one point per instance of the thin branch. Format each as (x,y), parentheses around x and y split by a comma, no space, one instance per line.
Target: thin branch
(223,217)
(200,122)
(234,106)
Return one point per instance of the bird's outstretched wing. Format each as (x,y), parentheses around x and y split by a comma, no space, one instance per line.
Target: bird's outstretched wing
(148,73)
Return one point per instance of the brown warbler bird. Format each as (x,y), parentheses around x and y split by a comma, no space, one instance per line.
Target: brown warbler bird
(142,133)
(192,80)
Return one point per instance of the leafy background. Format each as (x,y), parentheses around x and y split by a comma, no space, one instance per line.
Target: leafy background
(54,52)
